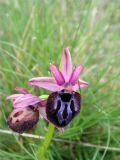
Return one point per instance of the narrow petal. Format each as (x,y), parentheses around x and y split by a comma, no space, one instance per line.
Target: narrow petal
(14,96)
(26,100)
(66,64)
(75,74)
(48,83)
(21,90)
(57,74)
(80,84)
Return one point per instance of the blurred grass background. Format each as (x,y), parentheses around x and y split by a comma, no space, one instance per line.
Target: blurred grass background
(32,35)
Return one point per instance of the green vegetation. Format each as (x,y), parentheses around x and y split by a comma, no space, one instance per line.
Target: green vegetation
(32,35)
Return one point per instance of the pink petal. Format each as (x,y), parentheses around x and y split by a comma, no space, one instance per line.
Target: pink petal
(26,100)
(14,96)
(80,84)
(66,64)
(75,74)
(44,82)
(57,74)
(21,90)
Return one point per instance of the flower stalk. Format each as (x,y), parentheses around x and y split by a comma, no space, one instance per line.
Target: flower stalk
(41,152)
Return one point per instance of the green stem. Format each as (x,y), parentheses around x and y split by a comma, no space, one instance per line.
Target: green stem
(42,150)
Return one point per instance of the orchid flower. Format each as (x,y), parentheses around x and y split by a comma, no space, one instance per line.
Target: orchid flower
(64,102)
(26,110)
(64,79)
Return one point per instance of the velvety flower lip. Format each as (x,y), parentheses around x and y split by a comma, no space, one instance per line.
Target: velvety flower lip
(42,111)
(64,79)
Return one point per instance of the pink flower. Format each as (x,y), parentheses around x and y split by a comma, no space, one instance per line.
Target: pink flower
(26,110)
(64,79)
(64,103)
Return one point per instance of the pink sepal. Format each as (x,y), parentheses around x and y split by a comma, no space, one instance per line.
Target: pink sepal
(66,64)
(26,100)
(44,82)
(14,96)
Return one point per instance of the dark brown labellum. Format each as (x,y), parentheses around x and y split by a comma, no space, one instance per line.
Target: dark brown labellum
(23,119)
(62,107)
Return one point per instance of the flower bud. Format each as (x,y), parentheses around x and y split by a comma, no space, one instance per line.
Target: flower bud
(23,119)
